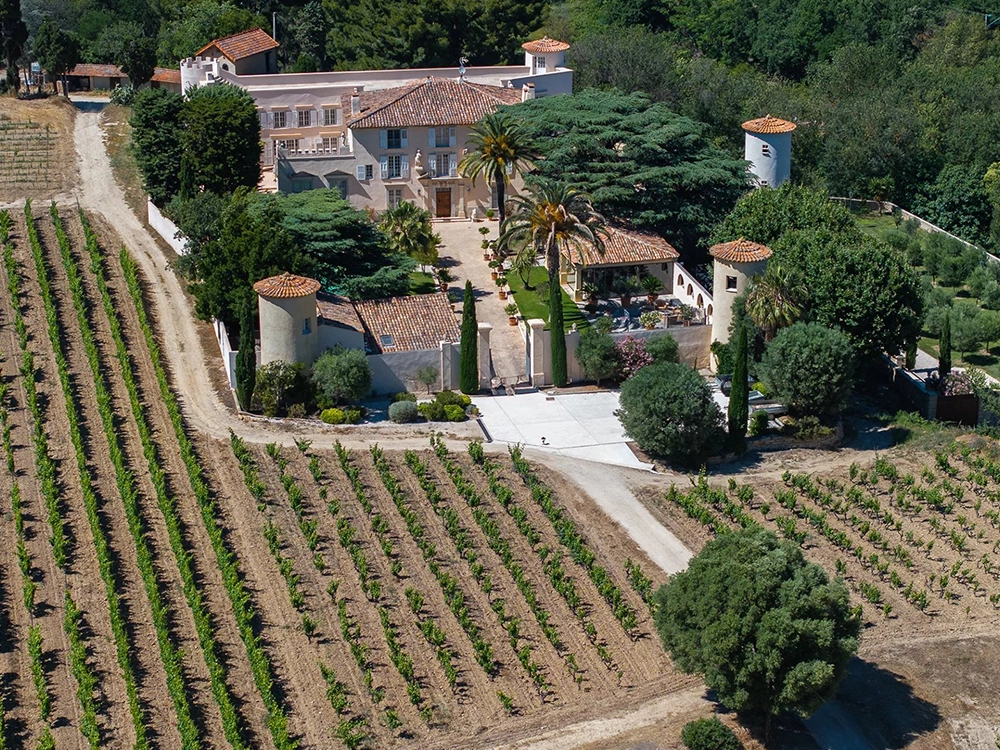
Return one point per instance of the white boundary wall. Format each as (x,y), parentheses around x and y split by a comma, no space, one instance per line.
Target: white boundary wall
(228,353)
(165,228)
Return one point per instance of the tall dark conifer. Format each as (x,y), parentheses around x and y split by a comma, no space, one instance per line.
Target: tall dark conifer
(468,377)
(739,396)
(246,358)
(944,358)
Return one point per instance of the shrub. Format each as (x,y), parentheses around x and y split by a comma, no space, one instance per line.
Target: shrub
(404,396)
(353,416)
(297,411)
(668,410)
(758,422)
(432,410)
(709,734)
(809,368)
(632,357)
(454,413)
(450,398)
(333,416)
(663,349)
(597,354)
(273,382)
(403,411)
(342,375)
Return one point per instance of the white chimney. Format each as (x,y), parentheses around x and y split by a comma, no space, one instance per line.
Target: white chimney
(355,103)
(527,92)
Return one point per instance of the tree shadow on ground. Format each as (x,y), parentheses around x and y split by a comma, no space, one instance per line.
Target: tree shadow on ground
(885,707)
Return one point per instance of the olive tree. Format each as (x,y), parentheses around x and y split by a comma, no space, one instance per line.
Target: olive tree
(768,631)
(341,374)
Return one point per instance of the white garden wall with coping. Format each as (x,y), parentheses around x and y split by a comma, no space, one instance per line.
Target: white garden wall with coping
(165,228)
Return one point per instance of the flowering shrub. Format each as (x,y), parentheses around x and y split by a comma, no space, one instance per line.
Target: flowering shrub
(632,356)
(956,384)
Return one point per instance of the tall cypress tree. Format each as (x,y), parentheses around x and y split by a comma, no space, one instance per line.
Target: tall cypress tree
(468,375)
(739,396)
(944,358)
(559,374)
(246,358)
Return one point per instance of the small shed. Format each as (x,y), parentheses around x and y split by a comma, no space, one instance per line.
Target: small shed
(627,252)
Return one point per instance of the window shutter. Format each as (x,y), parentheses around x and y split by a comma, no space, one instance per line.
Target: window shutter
(452,166)
(432,137)
(432,163)
(402,138)
(404,167)
(383,165)
(451,137)
(359,172)
(383,139)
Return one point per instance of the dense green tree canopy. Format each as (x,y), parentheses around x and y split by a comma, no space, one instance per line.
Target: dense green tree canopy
(638,160)
(809,368)
(341,375)
(767,214)
(769,631)
(156,141)
(668,410)
(221,138)
(57,50)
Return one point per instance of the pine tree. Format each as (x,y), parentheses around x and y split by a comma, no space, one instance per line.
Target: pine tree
(944,358)
(739,396)
(246,359)
(468,377)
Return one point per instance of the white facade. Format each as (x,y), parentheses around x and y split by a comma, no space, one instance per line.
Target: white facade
(770,157)
(729,281)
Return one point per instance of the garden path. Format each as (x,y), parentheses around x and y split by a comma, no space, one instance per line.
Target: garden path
(462,253)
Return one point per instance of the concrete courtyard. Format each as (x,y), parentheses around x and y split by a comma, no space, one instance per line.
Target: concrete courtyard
(579,425)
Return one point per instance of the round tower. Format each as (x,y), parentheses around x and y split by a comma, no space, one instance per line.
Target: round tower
(768,148)
(734,264)
(287,306)
(544,55)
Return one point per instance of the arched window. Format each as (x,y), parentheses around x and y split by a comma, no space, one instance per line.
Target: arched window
(700,301)
(709,311)
(690,290)
(680,280)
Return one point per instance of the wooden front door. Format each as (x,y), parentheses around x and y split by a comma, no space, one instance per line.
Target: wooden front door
(442,203)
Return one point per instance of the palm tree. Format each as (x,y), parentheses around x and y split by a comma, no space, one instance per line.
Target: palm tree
(500,148)
(410,232)
(775,300)
(550,219)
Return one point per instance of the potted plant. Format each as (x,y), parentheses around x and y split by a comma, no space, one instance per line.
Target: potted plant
(649,319)
(627,288)
(443,277)
(490,214)
(511,310)
(652,286)
(494,268)
(501,286)
(687,314)
(591,292)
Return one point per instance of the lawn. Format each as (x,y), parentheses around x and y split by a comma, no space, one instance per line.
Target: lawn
(422,283)
(988,361)
(532,305)
(877,226)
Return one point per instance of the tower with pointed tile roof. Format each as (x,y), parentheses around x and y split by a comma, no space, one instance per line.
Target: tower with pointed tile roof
(734,264)
(768,148)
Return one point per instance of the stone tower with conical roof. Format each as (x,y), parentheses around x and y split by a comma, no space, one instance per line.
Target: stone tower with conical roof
(734,264)
(287,307)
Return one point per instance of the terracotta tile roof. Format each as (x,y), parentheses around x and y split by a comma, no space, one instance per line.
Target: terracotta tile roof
(95,70)
(740,251)
(626,246)
(407,324)
(768,125)
(430,103)
(332,309)
(543,45)
(286,286)
(166,75)
(241,45)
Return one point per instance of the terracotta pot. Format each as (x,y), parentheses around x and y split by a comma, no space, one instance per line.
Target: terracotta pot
(486,256)
(512,320)
(444,287)
(503,294)
(652,298)
(687,323)
(495,275)
(650,328)
(626,300)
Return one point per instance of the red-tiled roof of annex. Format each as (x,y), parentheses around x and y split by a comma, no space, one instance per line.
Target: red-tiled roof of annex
(544,45)
(337,311)
(740,251)
(431,102)
(166,75)
(624,247)
(244,44)
(768,125)
(96,70)
(415,323)
(286,286)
